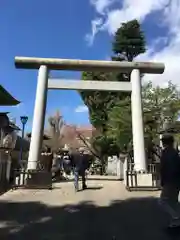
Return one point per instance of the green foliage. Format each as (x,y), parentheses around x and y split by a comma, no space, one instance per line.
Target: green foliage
(106,144)
(98,102)
(129,41)
(106,112)
(119,125)
(159,105)
(110,113)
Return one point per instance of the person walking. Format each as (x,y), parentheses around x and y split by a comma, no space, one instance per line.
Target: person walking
(170,180)
(79,165)
(66,159)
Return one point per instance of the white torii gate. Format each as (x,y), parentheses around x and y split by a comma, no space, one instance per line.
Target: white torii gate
(43,84)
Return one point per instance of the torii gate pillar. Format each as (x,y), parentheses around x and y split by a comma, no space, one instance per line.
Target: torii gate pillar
(38,118)
(137,122)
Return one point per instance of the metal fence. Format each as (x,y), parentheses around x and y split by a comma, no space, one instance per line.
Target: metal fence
(31,179)
(147,180)
(38,178)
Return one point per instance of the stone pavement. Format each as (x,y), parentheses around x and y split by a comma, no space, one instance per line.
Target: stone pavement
(104,211)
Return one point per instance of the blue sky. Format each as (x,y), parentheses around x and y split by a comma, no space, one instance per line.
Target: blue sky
(81,29)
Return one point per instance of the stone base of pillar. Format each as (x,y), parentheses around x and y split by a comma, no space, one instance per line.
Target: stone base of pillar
(136,181)
(39,180)
(33,179)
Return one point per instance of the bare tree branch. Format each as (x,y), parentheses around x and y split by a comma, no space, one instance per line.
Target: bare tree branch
(56,124)
(86,143)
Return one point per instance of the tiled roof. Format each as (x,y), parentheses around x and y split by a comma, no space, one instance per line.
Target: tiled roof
(6,99)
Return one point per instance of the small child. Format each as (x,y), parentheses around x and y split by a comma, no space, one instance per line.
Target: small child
(170,180)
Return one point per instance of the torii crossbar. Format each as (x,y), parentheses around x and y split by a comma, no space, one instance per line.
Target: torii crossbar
(43,84)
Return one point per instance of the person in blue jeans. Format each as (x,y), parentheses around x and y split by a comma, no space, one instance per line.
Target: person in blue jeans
(79,162)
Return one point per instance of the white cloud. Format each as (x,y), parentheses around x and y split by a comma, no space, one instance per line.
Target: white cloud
(101,6)
(81,109)
(95,28)
(131,9)
(111,19)
(170,54)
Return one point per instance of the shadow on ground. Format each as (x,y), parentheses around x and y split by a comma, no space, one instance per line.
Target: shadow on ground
(138,218)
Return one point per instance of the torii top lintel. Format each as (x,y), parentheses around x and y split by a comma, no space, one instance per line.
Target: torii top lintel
(88,65)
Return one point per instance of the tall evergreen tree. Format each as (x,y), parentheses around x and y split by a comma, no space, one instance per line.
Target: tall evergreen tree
(129,42)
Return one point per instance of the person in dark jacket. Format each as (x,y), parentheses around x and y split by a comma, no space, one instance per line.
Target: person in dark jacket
(79,164)
(170,180)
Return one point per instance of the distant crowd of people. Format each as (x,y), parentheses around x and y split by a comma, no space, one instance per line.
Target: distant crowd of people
(72,163)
